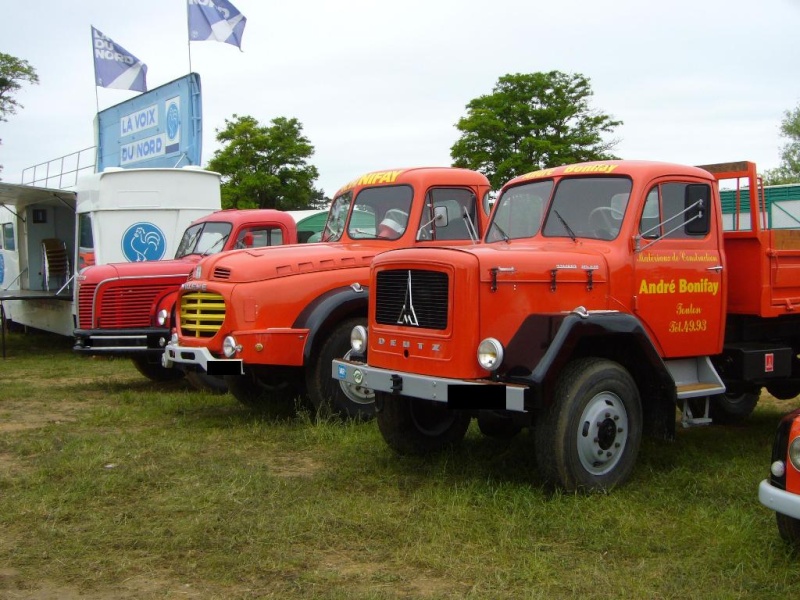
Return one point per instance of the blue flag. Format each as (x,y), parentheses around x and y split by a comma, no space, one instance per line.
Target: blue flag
(115,67)
(215,20)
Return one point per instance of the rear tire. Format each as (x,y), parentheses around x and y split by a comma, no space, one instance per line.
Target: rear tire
(589,436)
(789,528)
(414,426)
(329,395)
(499,427)
(734,407)
(155,371)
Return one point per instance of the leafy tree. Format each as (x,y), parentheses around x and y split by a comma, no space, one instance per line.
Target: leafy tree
(13,73)
(532,121)
(789,169)
(265,167)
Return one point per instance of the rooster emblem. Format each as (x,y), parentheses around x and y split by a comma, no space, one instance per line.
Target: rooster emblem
(143,241)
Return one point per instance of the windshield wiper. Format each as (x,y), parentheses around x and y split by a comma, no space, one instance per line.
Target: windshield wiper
(567,227)
(220,242)
(502,233)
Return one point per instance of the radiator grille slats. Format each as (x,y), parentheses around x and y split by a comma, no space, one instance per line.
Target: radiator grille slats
(412,298)
(202,314)
(85,299)
(120,307)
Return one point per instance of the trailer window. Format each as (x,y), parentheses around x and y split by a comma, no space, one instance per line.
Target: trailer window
(9,243)
(85,241)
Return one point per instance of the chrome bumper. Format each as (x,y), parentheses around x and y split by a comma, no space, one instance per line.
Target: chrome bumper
(202,358)
(456,393)
(779,500)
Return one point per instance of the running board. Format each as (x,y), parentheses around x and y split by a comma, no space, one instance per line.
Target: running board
(695,378)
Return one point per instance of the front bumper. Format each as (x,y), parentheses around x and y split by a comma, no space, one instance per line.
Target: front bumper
(779,500)
(117,342)
(202,359)
(456,393)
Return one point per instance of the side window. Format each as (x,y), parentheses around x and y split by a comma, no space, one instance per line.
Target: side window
(676,211)
(259,237)
(456,209)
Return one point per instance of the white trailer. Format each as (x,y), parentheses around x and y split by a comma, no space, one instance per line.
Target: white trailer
(118,215)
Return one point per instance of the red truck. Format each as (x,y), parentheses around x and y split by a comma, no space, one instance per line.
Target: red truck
(271,320)
(605,295)
(781,490)
(126,309)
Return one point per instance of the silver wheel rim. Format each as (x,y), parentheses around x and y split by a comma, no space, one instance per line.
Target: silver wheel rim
(602,433)
(357,393)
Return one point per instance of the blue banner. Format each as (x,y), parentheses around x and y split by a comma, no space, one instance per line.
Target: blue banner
(115,67)
(215,20)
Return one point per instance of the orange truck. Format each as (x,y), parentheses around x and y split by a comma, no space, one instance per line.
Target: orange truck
(270,321)
(605,294)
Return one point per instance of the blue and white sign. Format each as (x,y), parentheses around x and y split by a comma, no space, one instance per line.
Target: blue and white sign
(143,241)
(160,128)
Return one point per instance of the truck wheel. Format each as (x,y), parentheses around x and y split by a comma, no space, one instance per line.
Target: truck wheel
(784,391)
(497,426)
(261,392)
(789,528)
(589,436)
(328,395)
(200,380)
(413,426)
(155,371)
(733,407)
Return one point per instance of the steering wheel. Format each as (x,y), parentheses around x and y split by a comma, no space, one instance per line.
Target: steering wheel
(605,220)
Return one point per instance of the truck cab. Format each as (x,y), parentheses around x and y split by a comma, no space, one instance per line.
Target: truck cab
(271,320)
(605,295)
(127,308)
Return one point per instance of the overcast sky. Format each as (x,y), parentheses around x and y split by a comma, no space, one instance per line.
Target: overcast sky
(380,85)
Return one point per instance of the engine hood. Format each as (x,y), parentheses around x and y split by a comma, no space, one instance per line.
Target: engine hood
(150,268)
(242,266)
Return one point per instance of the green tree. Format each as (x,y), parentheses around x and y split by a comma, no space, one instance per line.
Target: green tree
(789,169)
(532,121)
(13,73)
(265,167)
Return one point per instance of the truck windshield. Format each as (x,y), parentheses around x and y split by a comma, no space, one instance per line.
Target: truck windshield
(204,238)
(381,212)
(519,211)
(588,207)
(337,216)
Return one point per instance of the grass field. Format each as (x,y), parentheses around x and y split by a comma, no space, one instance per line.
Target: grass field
(115,487)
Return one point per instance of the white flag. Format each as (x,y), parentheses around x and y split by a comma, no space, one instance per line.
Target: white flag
(215,20)
(115,67)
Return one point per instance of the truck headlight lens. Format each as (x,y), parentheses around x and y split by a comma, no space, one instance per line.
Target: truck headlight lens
(230,347)
(794,453)
(162,317)
(490,354)
(358,339)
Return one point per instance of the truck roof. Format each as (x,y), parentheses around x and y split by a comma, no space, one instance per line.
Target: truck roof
(440,176)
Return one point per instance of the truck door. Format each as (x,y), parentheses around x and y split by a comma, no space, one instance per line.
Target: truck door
(679,283)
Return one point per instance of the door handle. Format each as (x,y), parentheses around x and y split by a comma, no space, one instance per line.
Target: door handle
(716,268)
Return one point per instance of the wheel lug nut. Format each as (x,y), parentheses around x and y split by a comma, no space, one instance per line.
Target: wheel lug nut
(608,415)
(608,454)
(599,453)
(619,429)
(616,417)
(616,445)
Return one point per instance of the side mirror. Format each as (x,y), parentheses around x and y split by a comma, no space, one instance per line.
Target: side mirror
(440,216)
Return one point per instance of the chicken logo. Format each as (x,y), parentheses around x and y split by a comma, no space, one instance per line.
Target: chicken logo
(143,241)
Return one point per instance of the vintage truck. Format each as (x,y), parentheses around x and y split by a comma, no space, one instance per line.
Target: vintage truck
(271,320)
(116,215)
(126,309)
(605,295)
(781,490)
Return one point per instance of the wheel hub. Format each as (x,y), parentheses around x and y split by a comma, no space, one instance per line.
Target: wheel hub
(602,433)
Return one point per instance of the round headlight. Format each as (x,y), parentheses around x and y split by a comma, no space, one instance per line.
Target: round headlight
(358,339)
(490,354)
(794,453)
(778,468)
(162,317)
(229,346)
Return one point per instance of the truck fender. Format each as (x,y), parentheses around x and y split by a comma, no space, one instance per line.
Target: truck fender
(328,309)
(619,337)
(167,302)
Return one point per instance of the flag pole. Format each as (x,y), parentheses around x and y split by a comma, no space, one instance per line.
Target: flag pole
(189,37)
(94,71)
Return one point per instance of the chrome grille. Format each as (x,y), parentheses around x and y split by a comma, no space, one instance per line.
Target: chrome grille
(85,299)
(128,306)
(202,314)
(412,297)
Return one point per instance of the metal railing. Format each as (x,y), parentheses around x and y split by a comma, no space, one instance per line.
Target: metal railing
(61,173)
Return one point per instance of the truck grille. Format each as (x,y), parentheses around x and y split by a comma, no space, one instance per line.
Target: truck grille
(85,300)
(128,306)
(202,314)
(412,297)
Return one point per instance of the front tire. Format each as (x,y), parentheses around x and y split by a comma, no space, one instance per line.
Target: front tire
(262,391)
(789,528)
(589,436)
(154,371)
(329,395)
(202,381)
(414,426)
